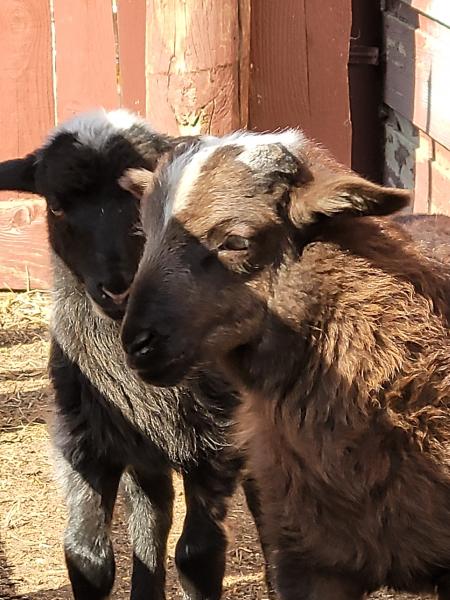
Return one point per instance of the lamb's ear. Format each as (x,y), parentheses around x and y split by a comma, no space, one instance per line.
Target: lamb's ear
(18,174)
(343,194)
(138,182)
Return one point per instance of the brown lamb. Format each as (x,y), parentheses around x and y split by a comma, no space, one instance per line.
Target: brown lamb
(273,262)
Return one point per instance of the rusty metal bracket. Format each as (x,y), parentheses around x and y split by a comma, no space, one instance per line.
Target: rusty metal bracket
(364,55)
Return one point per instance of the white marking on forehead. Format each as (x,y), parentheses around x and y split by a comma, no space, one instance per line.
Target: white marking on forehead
(95,128)
(184,171)
(291,139)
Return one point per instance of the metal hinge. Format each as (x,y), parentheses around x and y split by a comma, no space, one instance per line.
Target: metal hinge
(364,55)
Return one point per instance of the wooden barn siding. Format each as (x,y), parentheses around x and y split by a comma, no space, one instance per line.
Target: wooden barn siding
(26,98)
(236,63)
(48,74)
(192,65)
(299,75)
(417,96)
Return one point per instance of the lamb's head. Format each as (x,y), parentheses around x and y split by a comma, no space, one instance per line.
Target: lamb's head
(93,223)
(223,219)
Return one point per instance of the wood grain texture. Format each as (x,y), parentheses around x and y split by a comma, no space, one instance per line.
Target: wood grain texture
(299,77)
(26,98)
(26,114)
(131,16)
(440,180)
(244,8)
(26,92)
(417,75)
(422,184)
(86,72)
(328,43)
(23,244)
(279,96)
(192,63)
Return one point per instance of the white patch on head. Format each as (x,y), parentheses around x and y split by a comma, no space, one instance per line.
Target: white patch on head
(184,171)
(95,128)
(291,139)
(122,119)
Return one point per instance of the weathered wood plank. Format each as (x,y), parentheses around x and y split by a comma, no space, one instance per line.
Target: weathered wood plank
(422,184)
(401,142)
(131,15)
(417,81)
(23,244)
(299,54)
(438,10)
(244,8)
(26,114)
(440,180)
(193,65)
(86,72)
(26,98)
(279,96)
(328,35)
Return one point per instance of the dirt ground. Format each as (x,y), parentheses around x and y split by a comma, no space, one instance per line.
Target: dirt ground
(31,511)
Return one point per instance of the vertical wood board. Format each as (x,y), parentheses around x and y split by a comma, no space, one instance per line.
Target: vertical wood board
(299,76)
(86,75)
(192,63)
(131,27)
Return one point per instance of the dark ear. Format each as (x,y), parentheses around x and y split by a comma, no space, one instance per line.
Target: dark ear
(18,174)
(138,182)
(340,194)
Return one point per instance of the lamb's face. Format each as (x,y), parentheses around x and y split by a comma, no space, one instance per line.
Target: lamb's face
(223,220)
(217,238)
(93,223)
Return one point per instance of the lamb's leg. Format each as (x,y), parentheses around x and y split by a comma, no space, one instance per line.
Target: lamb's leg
(200,551)
(253,502)
(296,581)
(443,587)
(90,499)
(90,484)
(150,504)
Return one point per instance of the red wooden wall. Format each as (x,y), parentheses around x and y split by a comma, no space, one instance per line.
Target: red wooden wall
(299,56)
(58,58)
(417,97)
(189,66)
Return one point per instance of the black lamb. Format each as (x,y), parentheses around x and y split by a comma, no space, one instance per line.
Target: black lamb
(109,425)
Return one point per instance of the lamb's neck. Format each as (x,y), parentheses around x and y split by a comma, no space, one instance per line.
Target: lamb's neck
(291,379)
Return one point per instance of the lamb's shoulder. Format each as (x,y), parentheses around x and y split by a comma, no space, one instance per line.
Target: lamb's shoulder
(93,343)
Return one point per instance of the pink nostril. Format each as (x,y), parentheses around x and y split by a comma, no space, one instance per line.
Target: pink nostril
(117,298)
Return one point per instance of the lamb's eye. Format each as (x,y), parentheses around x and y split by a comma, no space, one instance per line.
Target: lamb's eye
(57,211)
(235,243)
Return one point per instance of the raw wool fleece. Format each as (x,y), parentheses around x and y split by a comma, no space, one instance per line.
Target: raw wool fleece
(354,458)
(163,415)
(334,325)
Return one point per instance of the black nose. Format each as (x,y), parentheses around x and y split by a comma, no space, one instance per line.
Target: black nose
(116,287)
(117,298)
(141,345)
